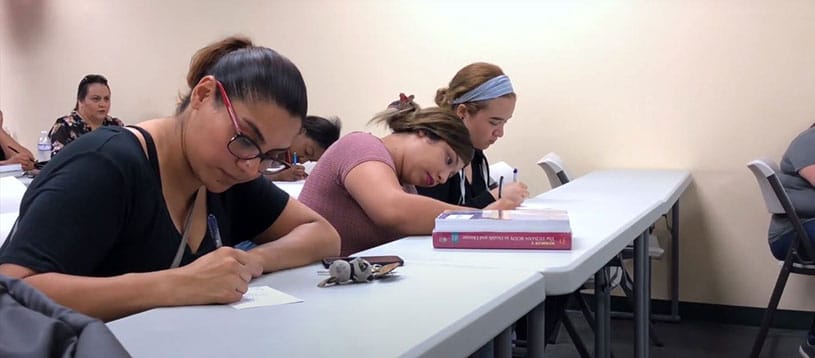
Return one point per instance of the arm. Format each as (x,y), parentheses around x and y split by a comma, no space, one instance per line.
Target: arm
(61,257)
(798,159)
(24,160)
(13,151)
(376,189)
(219,277)
(511,192)
(134,292)
(483,199)
(60,135)
(298,237)
(808,173)
(295,173)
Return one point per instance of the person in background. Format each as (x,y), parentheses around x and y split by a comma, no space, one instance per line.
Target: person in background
(12,152)
(797,176)
(482,97)
(90,112)
(366,186)
(146,216)
(317,135)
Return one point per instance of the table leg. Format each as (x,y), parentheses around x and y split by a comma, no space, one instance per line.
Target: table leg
(602,339)
(535,335)
(502,344)
(675,262)
(642,296)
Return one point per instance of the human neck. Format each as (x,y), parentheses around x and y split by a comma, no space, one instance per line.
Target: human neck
(177,177)
(395,144)
(92,122)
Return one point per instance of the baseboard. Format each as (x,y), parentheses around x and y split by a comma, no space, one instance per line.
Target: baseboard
(725,314)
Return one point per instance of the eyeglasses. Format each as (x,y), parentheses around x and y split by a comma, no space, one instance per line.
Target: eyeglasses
(245,148)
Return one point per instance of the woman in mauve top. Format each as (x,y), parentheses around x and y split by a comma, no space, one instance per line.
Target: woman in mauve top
(365,186)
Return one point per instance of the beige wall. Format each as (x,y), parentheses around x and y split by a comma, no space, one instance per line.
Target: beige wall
(697,85)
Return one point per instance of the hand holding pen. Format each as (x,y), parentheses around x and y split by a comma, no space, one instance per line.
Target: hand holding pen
(511,194)
(22,157)
(221,276)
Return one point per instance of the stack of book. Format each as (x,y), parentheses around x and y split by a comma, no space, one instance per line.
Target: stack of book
(536,229)
(10,169)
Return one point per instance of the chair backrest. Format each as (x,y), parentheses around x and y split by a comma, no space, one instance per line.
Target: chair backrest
(501,169)
(765,170)
(553,166)
(778,202)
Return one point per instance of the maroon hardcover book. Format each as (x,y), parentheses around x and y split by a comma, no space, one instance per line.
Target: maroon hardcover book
(533,229)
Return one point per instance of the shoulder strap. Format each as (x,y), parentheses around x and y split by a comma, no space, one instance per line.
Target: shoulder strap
(152,155)
(185,237)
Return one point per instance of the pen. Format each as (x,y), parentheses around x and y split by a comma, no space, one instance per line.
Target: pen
(515,175)
(212,224)
(500,186)
(18,152)
(294,158)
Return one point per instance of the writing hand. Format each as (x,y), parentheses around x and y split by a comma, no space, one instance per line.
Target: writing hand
(517,192)
(221,276)
(295,173)
(25,160)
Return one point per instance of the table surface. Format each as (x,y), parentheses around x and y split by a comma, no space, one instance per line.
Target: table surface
(607,210)
(423,311)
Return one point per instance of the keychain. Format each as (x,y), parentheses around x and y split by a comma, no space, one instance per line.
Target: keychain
(357,270)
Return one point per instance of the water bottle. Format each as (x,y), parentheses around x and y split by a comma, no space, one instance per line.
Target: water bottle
(44,147)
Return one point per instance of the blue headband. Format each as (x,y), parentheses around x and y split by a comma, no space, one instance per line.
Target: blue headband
(494,88)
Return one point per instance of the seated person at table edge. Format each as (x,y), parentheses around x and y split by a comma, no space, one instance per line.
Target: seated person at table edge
(482,97)
(797,176)
(366,186)
(90,112)
(127,219)
(317,135)
(12,152)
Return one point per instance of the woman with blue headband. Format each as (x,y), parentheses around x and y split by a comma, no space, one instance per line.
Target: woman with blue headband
(481,95)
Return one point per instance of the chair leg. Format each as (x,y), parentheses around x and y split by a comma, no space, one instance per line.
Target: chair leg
(555,310)
(552,337)
(627,284)
(586,309)
(768,314)
(578,342)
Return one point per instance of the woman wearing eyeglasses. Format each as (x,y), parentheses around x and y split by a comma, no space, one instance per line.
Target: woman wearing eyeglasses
(128,219)
(90,112)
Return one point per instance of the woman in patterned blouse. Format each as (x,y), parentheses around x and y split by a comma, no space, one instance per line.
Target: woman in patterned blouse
(90,112)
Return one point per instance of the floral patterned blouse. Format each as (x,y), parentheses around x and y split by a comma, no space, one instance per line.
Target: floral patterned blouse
(70,127)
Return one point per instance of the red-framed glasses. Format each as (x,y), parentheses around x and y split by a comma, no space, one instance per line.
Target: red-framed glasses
(243,147)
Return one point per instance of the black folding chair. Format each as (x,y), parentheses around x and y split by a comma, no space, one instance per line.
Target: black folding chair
(800,253)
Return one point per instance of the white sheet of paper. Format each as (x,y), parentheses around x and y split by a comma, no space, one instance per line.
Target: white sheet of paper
(260,296)
(308,166)
(6,222)
(11,194)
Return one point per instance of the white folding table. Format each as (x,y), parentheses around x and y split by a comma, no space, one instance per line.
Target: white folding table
(423,311)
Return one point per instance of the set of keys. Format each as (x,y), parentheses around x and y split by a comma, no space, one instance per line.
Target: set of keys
(355,271)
